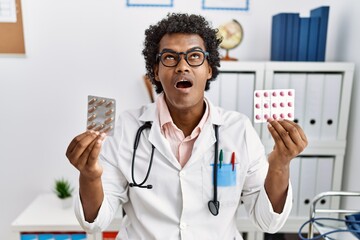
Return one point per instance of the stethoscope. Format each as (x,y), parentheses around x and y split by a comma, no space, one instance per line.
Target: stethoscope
(213,205)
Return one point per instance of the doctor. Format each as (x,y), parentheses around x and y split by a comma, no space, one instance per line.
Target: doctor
(167,187)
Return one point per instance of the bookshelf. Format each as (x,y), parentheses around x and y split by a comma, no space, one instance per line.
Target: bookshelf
(328,150)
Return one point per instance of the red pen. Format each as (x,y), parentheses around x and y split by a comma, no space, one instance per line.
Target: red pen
(233,161)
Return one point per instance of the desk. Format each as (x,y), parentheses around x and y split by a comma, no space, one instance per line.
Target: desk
(45,214)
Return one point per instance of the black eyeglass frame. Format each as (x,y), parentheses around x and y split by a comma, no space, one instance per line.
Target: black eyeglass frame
(206,55)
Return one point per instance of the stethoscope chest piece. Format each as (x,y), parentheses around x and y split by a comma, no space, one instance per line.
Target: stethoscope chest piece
(214,207)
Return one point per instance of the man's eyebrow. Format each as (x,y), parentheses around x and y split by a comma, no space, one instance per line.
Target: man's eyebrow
(190,49)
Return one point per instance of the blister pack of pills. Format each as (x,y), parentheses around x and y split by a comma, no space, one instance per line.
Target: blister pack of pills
(276,104)
(101,114)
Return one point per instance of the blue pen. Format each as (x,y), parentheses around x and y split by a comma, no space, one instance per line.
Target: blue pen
(221,157)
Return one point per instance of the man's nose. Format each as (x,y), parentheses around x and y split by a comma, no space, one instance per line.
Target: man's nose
(182,65)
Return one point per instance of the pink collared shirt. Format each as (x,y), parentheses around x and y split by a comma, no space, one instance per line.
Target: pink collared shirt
(181,146)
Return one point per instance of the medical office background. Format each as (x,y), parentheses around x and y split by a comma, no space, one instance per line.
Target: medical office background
(84,47)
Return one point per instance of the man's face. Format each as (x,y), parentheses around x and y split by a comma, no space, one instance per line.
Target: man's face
(183,84)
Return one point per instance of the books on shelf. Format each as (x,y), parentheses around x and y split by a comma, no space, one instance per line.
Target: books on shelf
(295,38)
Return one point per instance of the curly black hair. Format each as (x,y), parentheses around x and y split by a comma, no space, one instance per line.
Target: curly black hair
(181,23)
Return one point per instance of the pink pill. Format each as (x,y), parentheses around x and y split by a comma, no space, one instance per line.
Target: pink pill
(282,115)
(274,105)
(282,104)
(266,105)
(258,117)
(282,93)
(266,94)
(274,94)
(257,94)
(257,105)
(274,116)
(289,115)
(290,93)
(290,104)
(266,116)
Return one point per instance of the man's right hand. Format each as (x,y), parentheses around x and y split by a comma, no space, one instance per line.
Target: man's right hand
(83,153)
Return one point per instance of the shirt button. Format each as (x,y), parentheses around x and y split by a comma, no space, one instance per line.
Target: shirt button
(182,173)
(183,226)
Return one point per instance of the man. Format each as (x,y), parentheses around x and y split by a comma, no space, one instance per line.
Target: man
(168,187)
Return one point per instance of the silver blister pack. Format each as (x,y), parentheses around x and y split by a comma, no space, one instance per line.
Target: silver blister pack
(101,114)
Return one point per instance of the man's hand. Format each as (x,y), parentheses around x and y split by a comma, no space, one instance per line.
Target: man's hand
(83,153)
(290,141)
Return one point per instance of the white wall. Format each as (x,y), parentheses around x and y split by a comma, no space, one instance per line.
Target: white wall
(76,48)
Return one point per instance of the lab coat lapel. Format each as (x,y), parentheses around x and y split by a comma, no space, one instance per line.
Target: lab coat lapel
(206,138)
(160,143)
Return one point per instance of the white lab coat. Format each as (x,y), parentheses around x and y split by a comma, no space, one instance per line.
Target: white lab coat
(177,205)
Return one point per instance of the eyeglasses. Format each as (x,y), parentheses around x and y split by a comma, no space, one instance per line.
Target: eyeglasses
(194,57)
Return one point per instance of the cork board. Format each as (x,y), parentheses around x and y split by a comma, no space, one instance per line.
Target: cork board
(12,34)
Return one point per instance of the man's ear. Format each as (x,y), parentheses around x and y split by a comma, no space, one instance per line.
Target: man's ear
(209,72)
(156,73)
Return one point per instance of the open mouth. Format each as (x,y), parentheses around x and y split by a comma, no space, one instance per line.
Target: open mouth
(183,84)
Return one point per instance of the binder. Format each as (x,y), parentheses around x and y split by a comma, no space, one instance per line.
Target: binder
(313,38)
(78,236)
(313,105)
(295,37)
(323,14)
(46,236)
(298,83)
(295,182)
(304,26)
(331,106)
(62,237)
(278,37)
(325,167)
(28,236)
(308,172)
(228,88)
(281,81)
(245,89)
(213,94)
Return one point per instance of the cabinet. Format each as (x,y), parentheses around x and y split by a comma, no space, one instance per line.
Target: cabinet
(322,102)
(46,215)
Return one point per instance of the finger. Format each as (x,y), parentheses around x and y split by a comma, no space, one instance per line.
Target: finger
(284,135)
(94,154)
(75,141)
(275,135)
(82,145)
(83,160)
(295,132)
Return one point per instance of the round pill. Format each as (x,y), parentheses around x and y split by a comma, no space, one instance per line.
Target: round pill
(266,116)
(290,93)
(282,115)
(282,93)
(257,105)
(274,94)
(266,94)
(274,116)
(266,105)
(257,94)
(289,115)
(274,105)
(257,117)
(282,104)
(290,104)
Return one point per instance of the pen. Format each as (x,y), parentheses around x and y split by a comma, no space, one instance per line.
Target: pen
(233,161)
(221,157)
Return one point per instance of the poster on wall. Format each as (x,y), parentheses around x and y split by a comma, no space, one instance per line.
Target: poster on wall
(236,5)
(7,11)
(149,3)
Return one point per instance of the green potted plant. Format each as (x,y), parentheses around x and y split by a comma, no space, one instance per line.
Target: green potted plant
(64,190)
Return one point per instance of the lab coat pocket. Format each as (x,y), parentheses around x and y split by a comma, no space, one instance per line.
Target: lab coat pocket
(227,181)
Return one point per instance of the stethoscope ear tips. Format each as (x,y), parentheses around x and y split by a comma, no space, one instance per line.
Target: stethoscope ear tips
(149,186)
(131,184)
(214,207)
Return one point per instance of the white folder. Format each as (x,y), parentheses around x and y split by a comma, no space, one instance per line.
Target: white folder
(295,182)
(325,167)
(281,81)
(213,94)
(228,91)
(308,172)
(313,105)
(245,90)
(298,83)
(331,106)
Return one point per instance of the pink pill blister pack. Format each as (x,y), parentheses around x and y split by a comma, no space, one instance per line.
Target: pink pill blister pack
(276,104)
(101,114)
